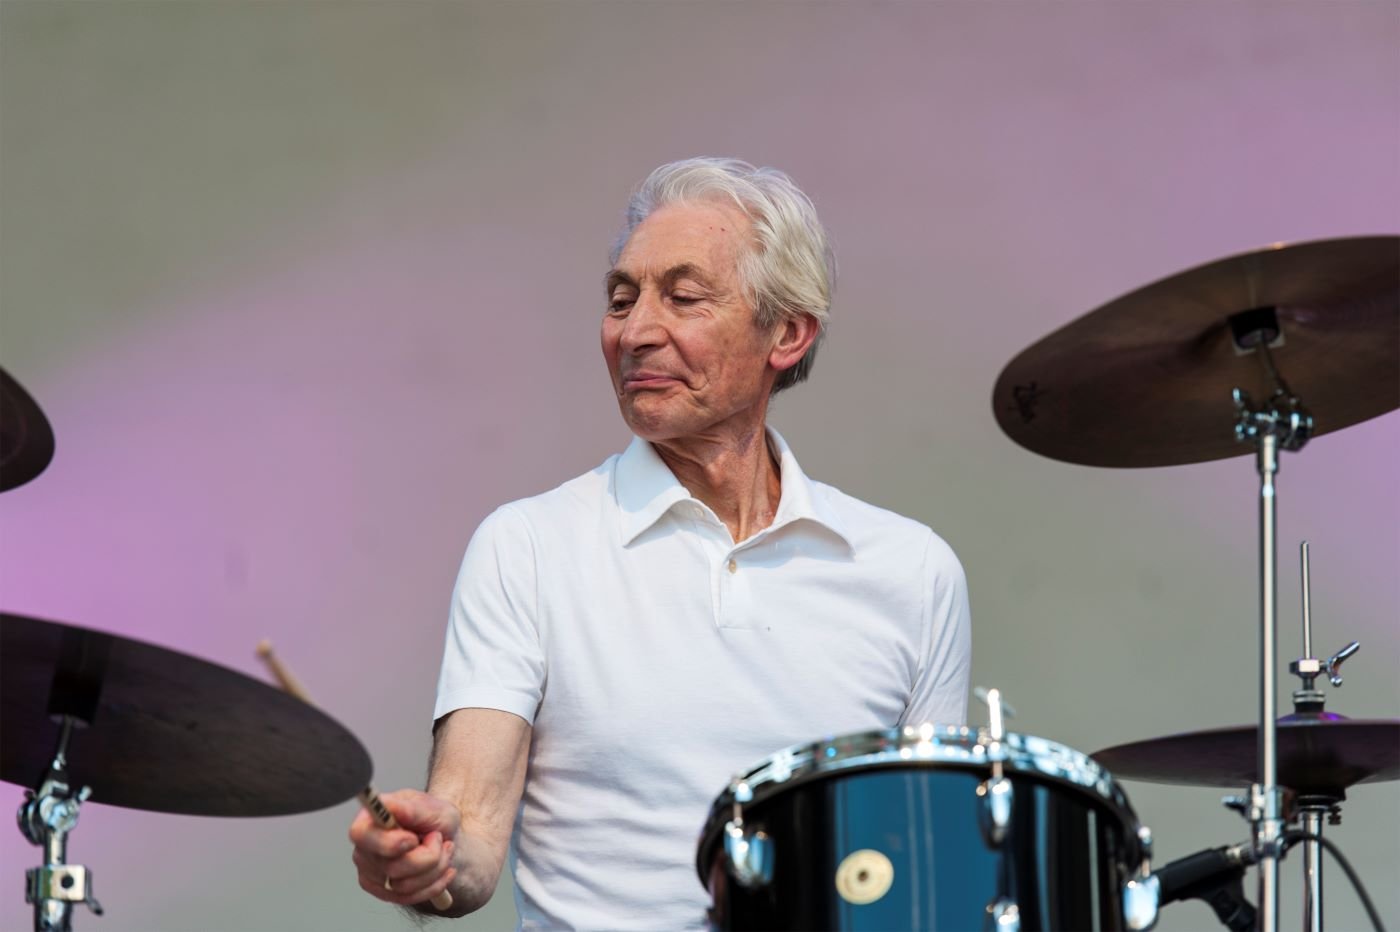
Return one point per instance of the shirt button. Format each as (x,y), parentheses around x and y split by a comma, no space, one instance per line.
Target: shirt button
(733,566)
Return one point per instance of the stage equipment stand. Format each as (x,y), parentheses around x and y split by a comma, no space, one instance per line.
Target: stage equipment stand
(1280,423)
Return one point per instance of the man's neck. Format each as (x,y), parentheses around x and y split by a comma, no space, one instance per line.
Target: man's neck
(734,473)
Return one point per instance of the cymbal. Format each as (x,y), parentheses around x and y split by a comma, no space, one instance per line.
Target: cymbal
(1315,756)
(1146,380)
(168,732)
(26,439)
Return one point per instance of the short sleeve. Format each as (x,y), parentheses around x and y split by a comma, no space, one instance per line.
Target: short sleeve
(940,689)
(493,658)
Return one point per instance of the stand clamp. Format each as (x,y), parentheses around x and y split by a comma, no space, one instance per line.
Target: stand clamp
(45,818)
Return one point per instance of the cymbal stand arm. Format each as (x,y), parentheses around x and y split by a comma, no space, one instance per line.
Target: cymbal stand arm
(45,818)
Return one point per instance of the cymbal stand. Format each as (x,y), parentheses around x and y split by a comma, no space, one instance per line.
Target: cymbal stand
(1308,705)
(46,817)
(1280,422)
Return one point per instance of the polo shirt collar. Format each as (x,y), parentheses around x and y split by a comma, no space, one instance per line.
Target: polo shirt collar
(646,489)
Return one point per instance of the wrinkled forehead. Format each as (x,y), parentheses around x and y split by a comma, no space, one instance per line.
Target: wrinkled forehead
(709,234)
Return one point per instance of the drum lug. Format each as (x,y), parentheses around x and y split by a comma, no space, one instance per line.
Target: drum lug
(750,856)
(995,791)
(1142,895)
(1003,915)
(995,814)
(1140,900)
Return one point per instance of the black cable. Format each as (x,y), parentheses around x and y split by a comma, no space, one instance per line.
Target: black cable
(1297,835)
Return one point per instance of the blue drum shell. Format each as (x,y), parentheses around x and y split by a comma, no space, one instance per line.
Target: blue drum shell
(1065,855)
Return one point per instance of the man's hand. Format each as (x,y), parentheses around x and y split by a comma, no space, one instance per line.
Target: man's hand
(456,836)
(416,859)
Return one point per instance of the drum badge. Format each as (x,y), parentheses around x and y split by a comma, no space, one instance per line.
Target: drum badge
(864,876)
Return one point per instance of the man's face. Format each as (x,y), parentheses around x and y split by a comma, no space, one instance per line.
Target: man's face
(679,335)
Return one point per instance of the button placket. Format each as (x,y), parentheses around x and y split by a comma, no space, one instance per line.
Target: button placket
(717,545)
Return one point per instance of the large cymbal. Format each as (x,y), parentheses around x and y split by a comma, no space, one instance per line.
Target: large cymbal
(170,733)
(1315,756)
(1145,380)
(26,440)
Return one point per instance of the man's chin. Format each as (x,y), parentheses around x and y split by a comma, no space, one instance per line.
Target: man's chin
(654,426)
(655,433)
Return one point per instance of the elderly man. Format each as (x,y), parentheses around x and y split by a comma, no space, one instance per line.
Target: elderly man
(621,646)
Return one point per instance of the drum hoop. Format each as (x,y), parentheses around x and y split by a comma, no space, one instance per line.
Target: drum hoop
(1049,761)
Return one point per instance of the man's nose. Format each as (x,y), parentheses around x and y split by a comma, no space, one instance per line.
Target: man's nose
(645,327)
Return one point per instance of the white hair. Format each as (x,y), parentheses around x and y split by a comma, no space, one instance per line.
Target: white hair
(790,271)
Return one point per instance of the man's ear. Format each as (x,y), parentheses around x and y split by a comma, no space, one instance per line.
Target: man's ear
(795,337)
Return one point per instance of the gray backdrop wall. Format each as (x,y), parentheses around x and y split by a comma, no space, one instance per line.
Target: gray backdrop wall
(308,288)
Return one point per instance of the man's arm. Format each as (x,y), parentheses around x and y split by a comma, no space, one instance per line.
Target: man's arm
(940,688)
(455,836)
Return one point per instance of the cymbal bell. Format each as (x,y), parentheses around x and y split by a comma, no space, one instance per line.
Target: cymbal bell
(166,732)
(1319,756)
(1146,379)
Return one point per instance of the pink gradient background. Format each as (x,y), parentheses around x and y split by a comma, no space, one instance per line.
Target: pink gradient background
(306,289)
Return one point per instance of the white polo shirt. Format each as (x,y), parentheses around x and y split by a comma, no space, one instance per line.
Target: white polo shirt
(656,658)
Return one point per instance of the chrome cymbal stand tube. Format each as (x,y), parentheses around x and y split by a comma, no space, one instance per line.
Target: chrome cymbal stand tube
(1266,804)
(1281,422)
(1311,819)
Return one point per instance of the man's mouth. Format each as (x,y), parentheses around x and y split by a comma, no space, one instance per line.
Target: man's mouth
(644,379)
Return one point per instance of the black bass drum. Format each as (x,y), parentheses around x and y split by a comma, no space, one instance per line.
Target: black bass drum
(927,828)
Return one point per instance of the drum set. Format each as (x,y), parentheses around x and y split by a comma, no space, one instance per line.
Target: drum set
(956,828)
(928,827)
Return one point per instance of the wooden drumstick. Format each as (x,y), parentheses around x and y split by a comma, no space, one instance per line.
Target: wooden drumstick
(367,796)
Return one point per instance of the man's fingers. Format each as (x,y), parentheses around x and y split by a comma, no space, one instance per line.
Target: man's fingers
(418,867)
(366,836)
(422,895)
(436,888)
(415,877)
(415,861)
(409,871)
(420,812)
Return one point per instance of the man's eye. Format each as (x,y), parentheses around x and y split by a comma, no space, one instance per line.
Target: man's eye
(619,304)
(684,298)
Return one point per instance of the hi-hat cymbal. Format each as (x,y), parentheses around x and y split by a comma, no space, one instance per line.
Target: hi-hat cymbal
(168,732)
(26,439)
(1146,380)
(1315,756)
